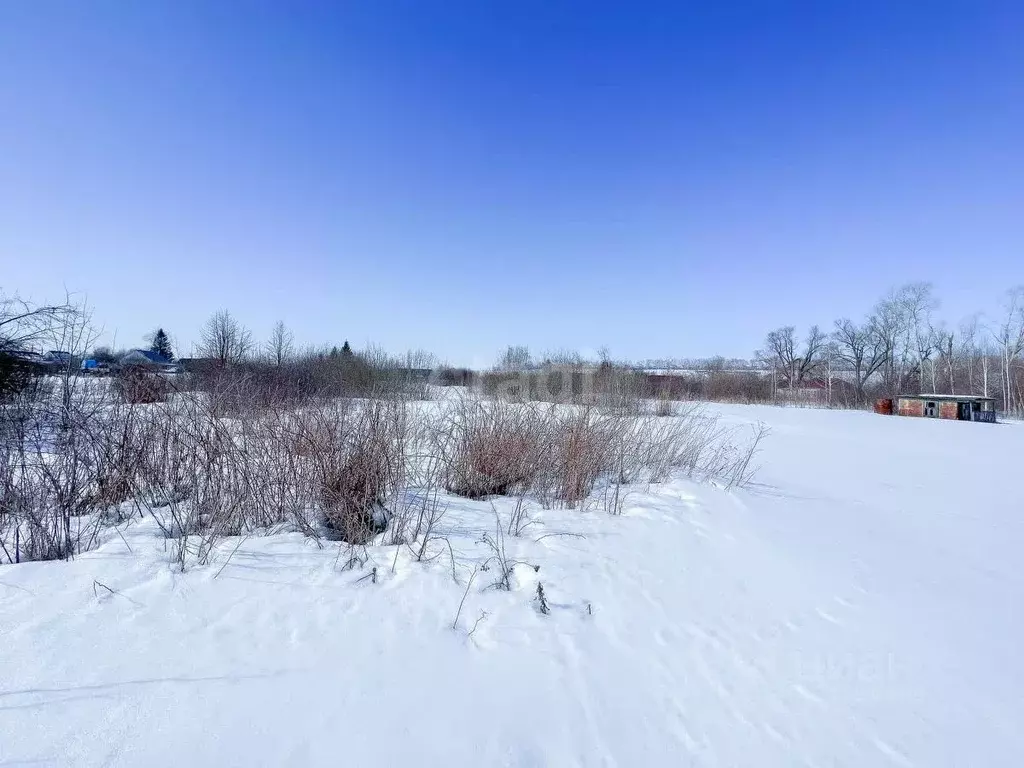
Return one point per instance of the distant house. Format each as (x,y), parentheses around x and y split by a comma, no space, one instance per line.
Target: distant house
(26,356)
(58,357)
(955,407)
(147,358)
(56,360)
(15,362)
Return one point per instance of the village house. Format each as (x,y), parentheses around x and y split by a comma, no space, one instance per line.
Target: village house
(147,358)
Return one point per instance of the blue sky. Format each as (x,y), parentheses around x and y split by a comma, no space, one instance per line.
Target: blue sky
(665,179)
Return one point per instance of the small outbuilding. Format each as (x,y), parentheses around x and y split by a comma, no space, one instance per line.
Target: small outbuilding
(955,407)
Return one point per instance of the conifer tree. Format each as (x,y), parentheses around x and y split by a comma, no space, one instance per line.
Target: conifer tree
(162,344)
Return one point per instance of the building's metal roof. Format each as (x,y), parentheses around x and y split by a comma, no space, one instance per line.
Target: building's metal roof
(153,357)
(960,398)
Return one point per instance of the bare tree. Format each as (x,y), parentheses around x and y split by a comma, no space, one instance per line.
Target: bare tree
(419,359)
(899,317)
(225,339)
(514,358)
(281,346)
(829,362)
(945,343)
(781,349)
(864,348)
(918,304)
(968,351)
(23,324)
(563,357)
(1009,336)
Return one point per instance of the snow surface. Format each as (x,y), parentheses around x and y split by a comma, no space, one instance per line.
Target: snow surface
(859,606)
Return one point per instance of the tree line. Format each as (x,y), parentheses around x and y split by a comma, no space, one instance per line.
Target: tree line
(903,346)
(900,346)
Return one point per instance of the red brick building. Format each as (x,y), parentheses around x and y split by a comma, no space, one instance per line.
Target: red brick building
(955,407)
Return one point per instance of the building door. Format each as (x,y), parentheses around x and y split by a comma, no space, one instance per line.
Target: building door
(931,409)
(964,411)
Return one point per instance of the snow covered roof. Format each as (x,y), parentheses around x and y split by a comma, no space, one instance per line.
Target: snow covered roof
(961,398)
(153,357)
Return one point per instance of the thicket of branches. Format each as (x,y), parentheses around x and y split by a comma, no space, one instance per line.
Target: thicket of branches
(559,454)
(334,445)
(343,468)
(23,327)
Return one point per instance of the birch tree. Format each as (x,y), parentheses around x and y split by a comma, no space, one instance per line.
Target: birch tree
(945,343)
(1009,337)
(919,305)
(968,351)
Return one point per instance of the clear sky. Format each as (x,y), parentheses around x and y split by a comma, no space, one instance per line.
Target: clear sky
(666,179)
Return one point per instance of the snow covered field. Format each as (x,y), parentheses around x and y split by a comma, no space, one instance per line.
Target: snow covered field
(860,605)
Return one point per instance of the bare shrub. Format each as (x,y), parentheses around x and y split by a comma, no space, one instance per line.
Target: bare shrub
(620,389)
(359,462)
(500,560)
(48,484)
(249,453)
(697,444)
(49,457)
(316,376)
(712,383)
(519,520)
(558,454)
(580,444)
(487,449)
(16,374)
(738,387)
(24,325)
(251,386)
(328,468)
(627,450)
(741,472)
(446,376)
(353,499)
(665,406)
(542,600)
(136,385)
